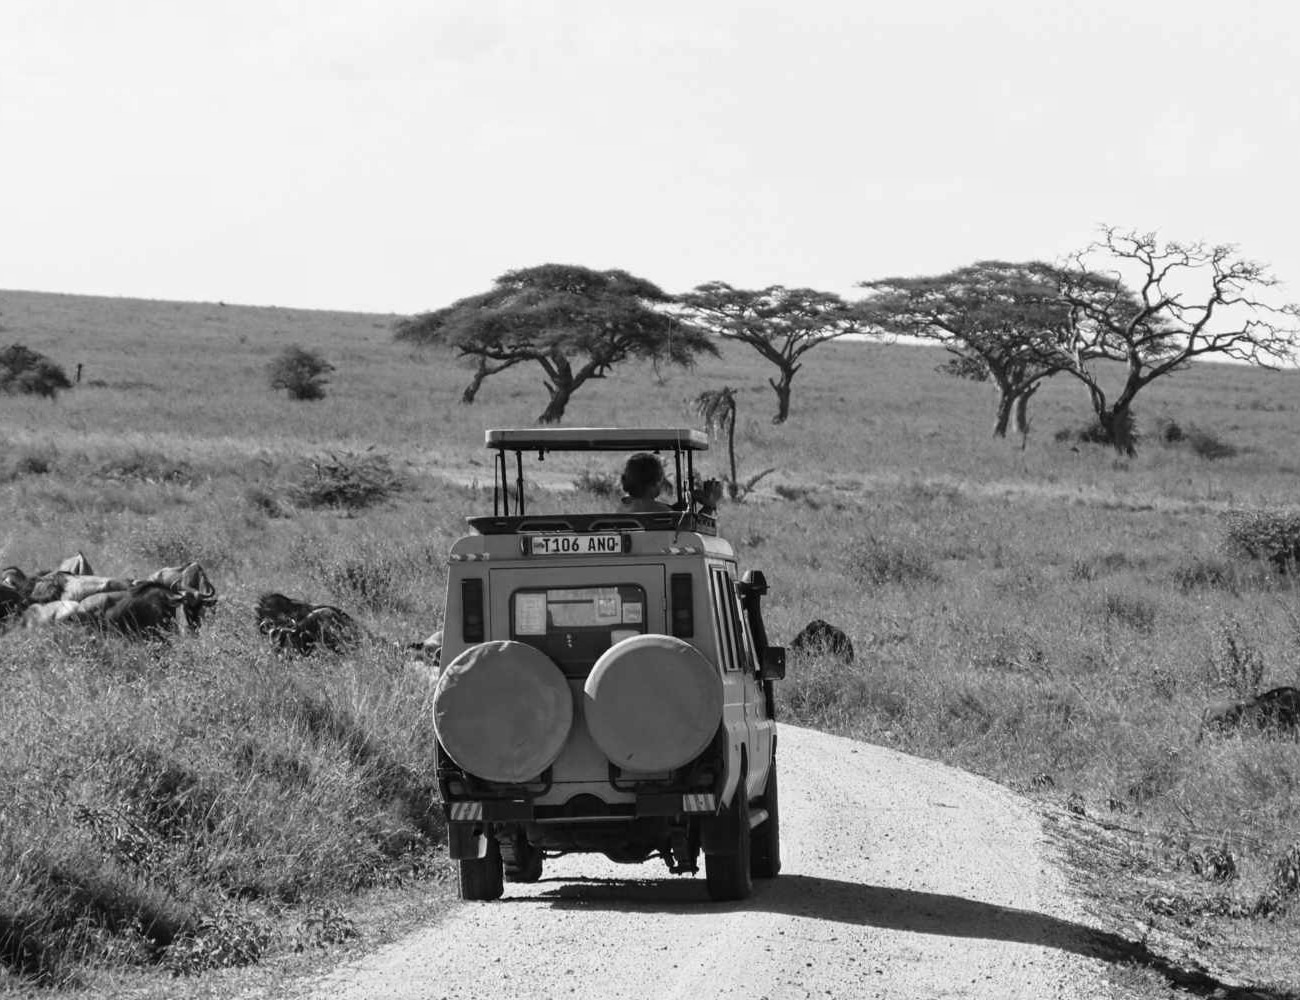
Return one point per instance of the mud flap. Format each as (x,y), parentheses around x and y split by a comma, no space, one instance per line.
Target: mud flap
(466,842)
(720,834)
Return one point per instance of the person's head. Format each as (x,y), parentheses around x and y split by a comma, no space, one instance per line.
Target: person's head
(643,476)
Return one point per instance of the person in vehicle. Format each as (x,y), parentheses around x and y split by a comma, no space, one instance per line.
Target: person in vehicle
(643,480)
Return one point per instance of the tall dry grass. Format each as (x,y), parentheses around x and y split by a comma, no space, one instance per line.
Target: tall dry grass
(1050,613)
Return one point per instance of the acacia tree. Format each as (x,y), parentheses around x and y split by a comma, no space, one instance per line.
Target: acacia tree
(782,324)
(574,322)
(1191,300)
(717,407)
(1001,322)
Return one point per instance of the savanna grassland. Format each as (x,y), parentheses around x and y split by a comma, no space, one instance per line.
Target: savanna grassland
(1051,615)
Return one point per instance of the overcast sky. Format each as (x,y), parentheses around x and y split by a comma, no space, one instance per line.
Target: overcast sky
(393,156)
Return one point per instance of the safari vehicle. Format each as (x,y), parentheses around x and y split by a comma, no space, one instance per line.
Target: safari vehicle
(606,683)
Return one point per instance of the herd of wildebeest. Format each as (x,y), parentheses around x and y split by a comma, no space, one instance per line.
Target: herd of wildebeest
(155,606)
(164,602)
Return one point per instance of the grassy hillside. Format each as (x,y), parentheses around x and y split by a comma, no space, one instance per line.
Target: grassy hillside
(1053,616)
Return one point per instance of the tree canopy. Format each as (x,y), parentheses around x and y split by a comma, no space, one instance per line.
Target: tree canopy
(1189,300)
(574,322)
(782,324)
(1001,322)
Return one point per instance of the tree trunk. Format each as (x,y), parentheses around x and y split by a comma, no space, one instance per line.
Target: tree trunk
(733,487)
(782,387)
(554,411)
(1022,411)
(1117,423)
(1003,418)
(471,390)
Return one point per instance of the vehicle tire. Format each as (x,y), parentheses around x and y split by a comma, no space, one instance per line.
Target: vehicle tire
(483,878)
(527,868)
(728,875)
(766,848)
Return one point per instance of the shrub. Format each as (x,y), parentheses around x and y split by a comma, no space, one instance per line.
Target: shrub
(347,481)
(1168,431)
(1199,572)
(148,467)
(878,561)
(598,484)
(1206,445)
(27,372)
(26,462)
(1234,663)
(300,372)
(1271,535)
(1136,612)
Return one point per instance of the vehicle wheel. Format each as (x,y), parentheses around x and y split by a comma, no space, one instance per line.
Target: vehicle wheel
(527,867)
(728,874)
(482,878)
(766,859)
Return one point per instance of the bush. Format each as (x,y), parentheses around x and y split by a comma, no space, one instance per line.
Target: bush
(1094,433)
(877,561)
(1207,445)
(1271,535)
(605,485)
(1234,663)
(27,372)
(300,372)
(1133,611)
(347,481)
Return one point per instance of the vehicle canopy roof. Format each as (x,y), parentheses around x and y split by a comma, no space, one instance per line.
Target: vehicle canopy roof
(681,442)
(542,439)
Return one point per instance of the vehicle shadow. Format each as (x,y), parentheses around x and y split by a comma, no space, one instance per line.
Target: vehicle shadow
(889,909)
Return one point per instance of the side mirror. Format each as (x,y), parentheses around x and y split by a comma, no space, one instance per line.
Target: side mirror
(753,582)
(773,665)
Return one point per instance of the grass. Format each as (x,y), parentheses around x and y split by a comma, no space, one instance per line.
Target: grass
(1054,617)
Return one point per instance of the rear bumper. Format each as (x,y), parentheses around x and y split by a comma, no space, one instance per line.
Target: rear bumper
(525,811)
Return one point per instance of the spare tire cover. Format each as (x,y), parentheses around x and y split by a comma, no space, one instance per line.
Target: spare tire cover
(652,702)
(502,711)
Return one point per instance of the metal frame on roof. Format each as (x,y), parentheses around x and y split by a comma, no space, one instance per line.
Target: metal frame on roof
(597,439)
(681,441)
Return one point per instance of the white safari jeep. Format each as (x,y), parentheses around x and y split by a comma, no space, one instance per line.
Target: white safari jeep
(606,684)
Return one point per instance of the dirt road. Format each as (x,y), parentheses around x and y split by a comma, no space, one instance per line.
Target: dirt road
(901,878)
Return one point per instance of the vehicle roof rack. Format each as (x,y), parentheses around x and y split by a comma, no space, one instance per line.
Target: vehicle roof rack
(542,439)
(683,442)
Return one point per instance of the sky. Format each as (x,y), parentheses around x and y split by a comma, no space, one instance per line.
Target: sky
(395,155)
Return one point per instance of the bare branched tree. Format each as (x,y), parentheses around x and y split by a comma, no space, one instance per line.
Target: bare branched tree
(1188,301)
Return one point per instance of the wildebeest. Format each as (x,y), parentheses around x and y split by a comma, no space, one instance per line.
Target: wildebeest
(12,603)
(147,610)
(77,565)
(430,649)
(190,578)
(15,579)
(822,638)
(78,588)
(49,612)
(301,627)
(1276,711)
(48,586)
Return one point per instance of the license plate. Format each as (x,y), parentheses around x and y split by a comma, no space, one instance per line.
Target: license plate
(573,545)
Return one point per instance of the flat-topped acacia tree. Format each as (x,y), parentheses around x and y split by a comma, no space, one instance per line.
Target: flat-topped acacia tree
(782,324)
(1000,322)
(574,322)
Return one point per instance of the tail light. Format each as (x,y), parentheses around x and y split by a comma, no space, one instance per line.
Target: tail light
(471,610)
(682,593)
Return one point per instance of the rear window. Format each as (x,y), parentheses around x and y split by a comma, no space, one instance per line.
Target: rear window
(574,625)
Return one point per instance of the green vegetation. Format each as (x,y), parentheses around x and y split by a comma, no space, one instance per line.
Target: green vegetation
(27,372)
(1057,612)
(301,373)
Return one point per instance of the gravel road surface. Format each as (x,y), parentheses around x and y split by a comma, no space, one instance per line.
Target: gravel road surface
(901,878)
